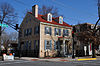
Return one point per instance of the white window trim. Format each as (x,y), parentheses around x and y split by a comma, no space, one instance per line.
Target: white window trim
(49,17)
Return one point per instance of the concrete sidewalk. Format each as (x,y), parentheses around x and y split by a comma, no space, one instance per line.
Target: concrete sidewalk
(58,59)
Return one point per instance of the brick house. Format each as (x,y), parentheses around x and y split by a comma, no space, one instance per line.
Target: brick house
(81,48)
(44,35)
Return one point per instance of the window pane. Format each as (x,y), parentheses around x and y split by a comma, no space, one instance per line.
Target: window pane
(48,30)
(48,44)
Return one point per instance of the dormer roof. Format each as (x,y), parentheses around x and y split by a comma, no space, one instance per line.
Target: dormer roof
(42,18)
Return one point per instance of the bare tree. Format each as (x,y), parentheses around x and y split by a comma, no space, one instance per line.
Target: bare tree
(13,36)
(48,9)
(88,35)
(7,14)
(45,10)
(8,38)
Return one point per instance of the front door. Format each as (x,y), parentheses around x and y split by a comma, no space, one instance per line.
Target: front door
(63,49)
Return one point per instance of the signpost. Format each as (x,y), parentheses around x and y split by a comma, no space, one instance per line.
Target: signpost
(3,25)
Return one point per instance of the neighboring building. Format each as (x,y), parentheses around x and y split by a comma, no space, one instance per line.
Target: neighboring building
(81,48)
(44,35)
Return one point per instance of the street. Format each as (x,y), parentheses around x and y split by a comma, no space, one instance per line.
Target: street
(49,63)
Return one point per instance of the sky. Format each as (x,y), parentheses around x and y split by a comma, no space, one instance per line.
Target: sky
(74,11)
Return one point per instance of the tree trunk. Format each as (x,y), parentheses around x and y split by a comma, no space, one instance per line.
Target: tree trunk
(93,51)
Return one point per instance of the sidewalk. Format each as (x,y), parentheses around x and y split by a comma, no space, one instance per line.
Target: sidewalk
(58,59)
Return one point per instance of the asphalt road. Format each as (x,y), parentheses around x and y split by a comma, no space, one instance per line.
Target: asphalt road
(47,63)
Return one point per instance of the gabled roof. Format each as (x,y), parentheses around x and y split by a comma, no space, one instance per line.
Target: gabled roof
(53,21)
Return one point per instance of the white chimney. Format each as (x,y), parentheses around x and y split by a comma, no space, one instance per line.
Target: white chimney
(35,10)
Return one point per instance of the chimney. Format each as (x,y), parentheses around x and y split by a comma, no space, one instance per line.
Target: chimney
(35,10)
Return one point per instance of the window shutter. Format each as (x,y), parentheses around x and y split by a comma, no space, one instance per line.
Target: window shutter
(55,31)
(58,45)
(59,32)
(63,32)
(45,44)
(54,45)
(34,44)
(67,32)
(30,31)
(38,29)
(27,44)
(38,43)
(34,30)
(50,44)
(27,32)
(50,31)
(24,32)
(45,31)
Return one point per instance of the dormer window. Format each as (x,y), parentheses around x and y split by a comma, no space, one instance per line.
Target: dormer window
(49,17)
(61,20)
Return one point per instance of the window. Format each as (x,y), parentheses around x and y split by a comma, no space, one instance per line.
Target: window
(30,31)
(27,20)
(29,45)
(30,19)
(36,30)
(65,32)
(61,20)
(49,18)
(48,44)
(57,32)
(36,44)
(27,32)
(48,30)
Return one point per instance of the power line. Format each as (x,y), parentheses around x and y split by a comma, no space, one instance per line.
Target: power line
(59,3)
(20,2)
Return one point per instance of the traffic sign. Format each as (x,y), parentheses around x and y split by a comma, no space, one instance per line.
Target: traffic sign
(3,25)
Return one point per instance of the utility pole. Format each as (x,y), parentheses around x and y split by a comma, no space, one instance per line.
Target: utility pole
(73,30)
(94,30)
(16,27)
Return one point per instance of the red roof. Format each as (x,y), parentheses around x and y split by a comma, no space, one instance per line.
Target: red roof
(53,22)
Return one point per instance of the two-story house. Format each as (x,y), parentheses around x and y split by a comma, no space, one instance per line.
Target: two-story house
(44,35)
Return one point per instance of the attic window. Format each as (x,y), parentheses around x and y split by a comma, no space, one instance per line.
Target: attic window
(49,17)
(61,20)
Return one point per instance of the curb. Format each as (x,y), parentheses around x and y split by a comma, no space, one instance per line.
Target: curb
(34,59)
(86,59)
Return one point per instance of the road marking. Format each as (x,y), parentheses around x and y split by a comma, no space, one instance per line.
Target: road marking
(87,62)
(87,59)
(5,63)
